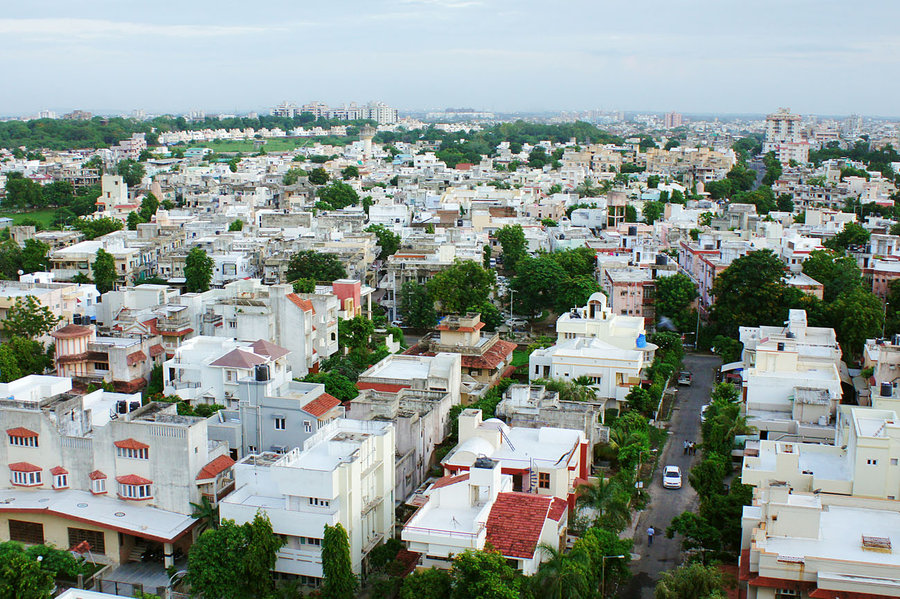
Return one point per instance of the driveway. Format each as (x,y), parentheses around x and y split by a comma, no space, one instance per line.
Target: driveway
(665,504)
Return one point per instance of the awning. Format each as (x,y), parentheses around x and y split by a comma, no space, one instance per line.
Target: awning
(732,366)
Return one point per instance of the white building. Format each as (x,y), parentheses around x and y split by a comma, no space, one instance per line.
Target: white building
(343,474)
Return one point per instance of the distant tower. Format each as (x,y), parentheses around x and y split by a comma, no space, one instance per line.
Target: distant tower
(366,135)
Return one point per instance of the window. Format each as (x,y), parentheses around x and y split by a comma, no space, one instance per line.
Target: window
(251,448)
(307,426)
(95,538)
(280,424)
(319,502)
(232,324)
(133,454)
(101,366)
(138,492)
(311,541)
(26,532)
(98,486)
(30,441)
(60,481)
(544,480)
(230,375)
(786,593)
(871,462)
(26,479)
(894,461)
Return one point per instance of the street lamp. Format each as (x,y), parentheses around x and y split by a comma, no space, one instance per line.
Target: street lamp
(603,572)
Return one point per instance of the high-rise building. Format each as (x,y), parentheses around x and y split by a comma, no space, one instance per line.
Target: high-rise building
(784,136)
(673,119)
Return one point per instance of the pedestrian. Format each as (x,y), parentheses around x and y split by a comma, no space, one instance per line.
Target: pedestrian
(685,447)
(650,532)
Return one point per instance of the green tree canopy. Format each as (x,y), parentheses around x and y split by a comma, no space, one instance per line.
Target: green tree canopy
(338,580)
(131,171)
(198,270)
(653,211)
(97,227)
(537,283)
(388,241)
(28,318)
(336,384)
(318,176)
(433,583)
(674,295)
(837,273)
(35,256)
(336,196)
(483,574)
(236,225)
(692,581)
(853,234)
(512,241)
(462,287)
(350,172)
(417,306)
(104,271)
(317,266)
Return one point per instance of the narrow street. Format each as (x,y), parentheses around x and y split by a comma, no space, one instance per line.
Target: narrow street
(665,504)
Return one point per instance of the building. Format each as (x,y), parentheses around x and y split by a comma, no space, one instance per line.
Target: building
(99,468)
(593,341)
(344,474)
(533,406)
(485,358)
(673,120)
(631,291)
(784,136)
(479,508)
(791,379)
(545,460)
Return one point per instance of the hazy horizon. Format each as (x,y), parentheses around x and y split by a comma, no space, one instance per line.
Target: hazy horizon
(816,57)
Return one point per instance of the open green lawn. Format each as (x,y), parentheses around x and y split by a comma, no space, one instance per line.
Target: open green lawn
(45,217)
(246,146)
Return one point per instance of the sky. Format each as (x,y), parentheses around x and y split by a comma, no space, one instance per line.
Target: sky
(692,56)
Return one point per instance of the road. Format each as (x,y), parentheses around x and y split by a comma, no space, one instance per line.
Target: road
(665,504)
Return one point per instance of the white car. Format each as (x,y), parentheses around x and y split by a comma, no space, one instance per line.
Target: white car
(672,477)
(515,322)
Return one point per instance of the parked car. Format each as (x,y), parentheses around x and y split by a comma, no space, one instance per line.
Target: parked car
(515,322)
(396,323)
(672,477)
(685,378)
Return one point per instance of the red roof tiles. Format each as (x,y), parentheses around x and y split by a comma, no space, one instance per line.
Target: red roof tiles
(136,357)
(515,522)
(96,475)
(58,470)
(384,387)
(156,350)
(322,404)
(305,305)
(71,331)
(446,481)
(24,467)
(21,432)
(131,444)
(557,509)
(133,479)
(215,467)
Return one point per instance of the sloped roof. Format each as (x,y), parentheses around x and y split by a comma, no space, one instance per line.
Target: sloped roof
(446,481)
(156,350)
(70,331)
(24,467)
(557,509)
(321,405)
(515,522)
(58,470)
(239,358)
(96,475)
(215,467)
(131,444)
(136,357)
(133,479)
(21,432)
(267,348)
(305,305)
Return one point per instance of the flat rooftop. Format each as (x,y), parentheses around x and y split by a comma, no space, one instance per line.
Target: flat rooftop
(408,368)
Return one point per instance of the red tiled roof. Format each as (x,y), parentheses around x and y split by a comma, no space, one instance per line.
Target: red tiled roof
(70,331)
(21,432)
(215,467)
(446,481)
(515,522)
(492,358)
(131,444)
(96,475)
(267,348)
(136,357)
(239,358)
(180,333)
(445,327)
(133,479)
(130,386)
(557,508)
(24,467)
(156,350)
(322,404)
(384,387)
(58,470)
(305,305)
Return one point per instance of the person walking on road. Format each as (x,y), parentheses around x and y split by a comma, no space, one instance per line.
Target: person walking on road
(686,443)
(650,532)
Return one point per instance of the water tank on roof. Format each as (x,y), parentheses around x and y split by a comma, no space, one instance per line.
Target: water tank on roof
(886,389)
(121,407)
(262,373)
(632,230)
(780,346)
(134,406)
(641,341)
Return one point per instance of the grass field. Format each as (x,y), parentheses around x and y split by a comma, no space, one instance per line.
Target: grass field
(246,146)
(45,217)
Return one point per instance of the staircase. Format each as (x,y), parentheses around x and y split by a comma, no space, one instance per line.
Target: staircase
(136,552)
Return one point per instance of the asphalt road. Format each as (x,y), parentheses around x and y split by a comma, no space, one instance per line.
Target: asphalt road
(665,504)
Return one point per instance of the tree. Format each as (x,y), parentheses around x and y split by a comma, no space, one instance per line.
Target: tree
(630,214)
(718,190)
(486,254)
(575,291)
(97,227)
(538,282)
(234,561)
(198,270)
(336,196)
(104,271)
(22,577)
(310,264)
(292,176)
(338,580)
(58,193)
(785,202)
(433,583)
(677,197)
(596,543)
(304,286)
(133,220)
(652,211)
(35,256)
(149,206)
(609,501)
(22,192)
(483,574)
(742,178)
(836,272)
(462,287)
(28,318)
(641,400)
(753,290)
(773,169)
(132,172)
(350,172)
(674,295)
(318,176)
(354,334)
(336,384)
(853,234)
(236,225)
(692,581)
(206,513)
(512,241)
(856,315)
(562,575)
(417,306)
(388,241)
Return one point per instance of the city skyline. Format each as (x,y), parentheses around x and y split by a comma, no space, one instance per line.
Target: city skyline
(425,54)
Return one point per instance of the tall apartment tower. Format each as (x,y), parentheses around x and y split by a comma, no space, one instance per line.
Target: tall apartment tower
(785,137)
(673,120)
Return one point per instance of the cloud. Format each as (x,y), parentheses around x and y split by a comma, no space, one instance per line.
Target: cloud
(84,29)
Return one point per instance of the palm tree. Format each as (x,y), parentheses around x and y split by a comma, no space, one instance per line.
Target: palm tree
(609,501)
(563,575)
(206,513)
